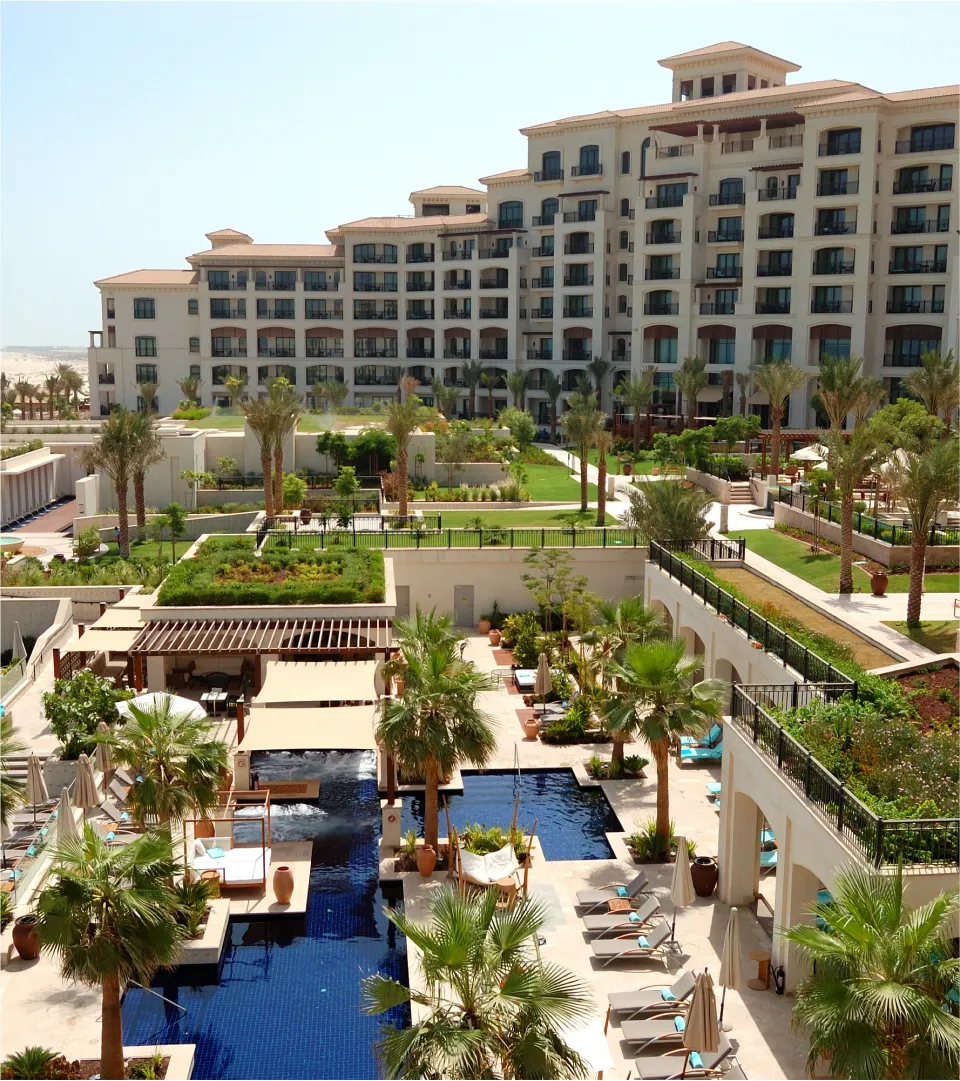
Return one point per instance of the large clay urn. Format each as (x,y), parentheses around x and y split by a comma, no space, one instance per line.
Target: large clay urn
(531,728)
(704,872)
(283,884)
(878,583)
(25,937)
(426,860)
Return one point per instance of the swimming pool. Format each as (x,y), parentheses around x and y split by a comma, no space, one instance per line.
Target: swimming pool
(571,821)
(288,1002)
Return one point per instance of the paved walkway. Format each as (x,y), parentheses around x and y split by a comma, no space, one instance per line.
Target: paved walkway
(51,521)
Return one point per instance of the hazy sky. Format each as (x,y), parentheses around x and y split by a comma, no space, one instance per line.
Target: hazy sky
(131,129)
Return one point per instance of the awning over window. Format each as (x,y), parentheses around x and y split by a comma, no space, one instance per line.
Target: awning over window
(716,330)
(660,332)
(772,331)
(913,332)
(245,637)
(829,330)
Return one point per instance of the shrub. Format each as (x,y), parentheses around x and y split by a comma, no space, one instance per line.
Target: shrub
(147,1070)
(31,1062)
(294,489)
(20,448)
(191,414)
(633,764)
(193,898)
(482,840)
(77,705)
(86,543)
(650,847)
(731,466)
(596,766)
(495,617)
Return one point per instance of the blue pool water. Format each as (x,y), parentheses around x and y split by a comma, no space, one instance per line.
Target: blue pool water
(288,1003)
(571,821)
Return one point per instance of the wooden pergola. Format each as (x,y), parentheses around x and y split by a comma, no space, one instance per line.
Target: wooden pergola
(788,437)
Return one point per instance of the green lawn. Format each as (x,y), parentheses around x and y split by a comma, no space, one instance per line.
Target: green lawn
(823,569)
(461,519)
(309,422)
(940,635)
(218,420)
(613,462)
(144,550)
(554,484)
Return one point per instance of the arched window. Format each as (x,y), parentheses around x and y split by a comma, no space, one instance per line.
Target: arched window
(551,166)
(624,208)
(772,185)
(510,215)
(589,161)
(621,305)
(625,162)
(624,240)
(548,211)
(621,347)
(622,272)
(731,188)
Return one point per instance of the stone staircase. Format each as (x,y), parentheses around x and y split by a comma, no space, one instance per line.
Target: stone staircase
(740,492)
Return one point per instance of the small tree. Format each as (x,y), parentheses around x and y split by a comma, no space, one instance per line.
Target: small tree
(333,445)
(690,379)
(236,388)
(197,479)
(841,385)
(454,450)
(402,418)
(190,388)
(552,387)
(159,525)
(735,429)
(850,460)
(744,381)
(517,383)
(778,381)
(294,489)
(551,581)
(522,428)
(937,384)
(602,441)
(77,705)
(637,395)
(86,543)
(346,485)
(225,467)
(176,521)
(670,514)
(446,398)
(581,423)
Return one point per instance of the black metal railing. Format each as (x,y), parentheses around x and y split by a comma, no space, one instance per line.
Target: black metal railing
(766,195)
(728,198)
(369,486)
(725,236)
(719,550)
(917,187)
(775,232)
(914,307)
(935,225)
(486,537)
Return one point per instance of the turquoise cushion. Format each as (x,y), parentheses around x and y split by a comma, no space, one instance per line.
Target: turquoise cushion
(622,891)
(695,1062)
(124,817)
(667,995)
(111,836)
(215,853)
(643,943)
(679,1024)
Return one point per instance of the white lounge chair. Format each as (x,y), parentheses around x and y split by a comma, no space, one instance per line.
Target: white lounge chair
(235,866)
(671,1065)
(654,998)
(632,947)
(665,1028)
(489,869)
(603,922)
(597,898)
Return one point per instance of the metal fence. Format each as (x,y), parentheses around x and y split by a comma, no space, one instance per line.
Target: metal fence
(882,841)
(487,537)
(255,480)
(887,532)
(720,550)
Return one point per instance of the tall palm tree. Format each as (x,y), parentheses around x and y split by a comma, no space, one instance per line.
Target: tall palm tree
(517,383)
(401,422)
(581,423)
(778,381)
(177,756)
(619,624)
(873,1000)
(489,1006)
(637,394)
(113,452)
(850,460)
(690,379)
(110,916)
(658,696)
(190,387)
(668,513)
(288,409)
(436,724)
(148,392)
(603,440)
(552,387)
(39,397)
(599,369)
(840,386)
(147,452)
(54,389)
(12,791)
(72,382)
(874,395)
(937,384)
(445,397)
(472,372)
(744,382)
(25,392)
(927,485)
(260,419)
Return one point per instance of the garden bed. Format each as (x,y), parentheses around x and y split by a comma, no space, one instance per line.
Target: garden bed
(407,862)
(63,1068)
(933,693)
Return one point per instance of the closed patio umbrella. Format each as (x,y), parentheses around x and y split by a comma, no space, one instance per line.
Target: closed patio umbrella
(161,702)
(36,784)
(544,683)
(85,794)
(19,649)
(66,823)
(102,755)
(681,887)
(731,966)
(700,1032)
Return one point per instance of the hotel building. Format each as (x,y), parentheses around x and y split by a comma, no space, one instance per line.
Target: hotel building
(748,219)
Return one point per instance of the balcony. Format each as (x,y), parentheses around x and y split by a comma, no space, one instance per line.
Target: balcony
(587,170)
(541,313)
(774,270)
(586,279)
(775,232)
(276,313)
(321,287)
(364,379)
(900,360)
(318,351)
(374,258)
(724,307)
(273,353)
(420,354)
(834,267)
(766,307)
(363,352)
(223,352)
(541,283)
(731,236)
(577,313)
(275,287)
(734,272)
(579,215)
(106,379)
(661,309)
(667,237)
(661,273)
(493,253)
(497,283)
(460,283)
(375,287)
(781,142)
(422,257)
(728,198)
(770,195)
(831,307)
(547,175)
(223,287)
(918,187)
(229,313)
(494,313)
(453,353)
(427,313)
(584,355)
(737,146)
(327,313)
(420,287)
(849,187)
(492,354)
(539,354)
(684,150)
(540,220)
(577,249)
(834,228)
(831,150)
(924,146)
(660,202)
(933,226)
(450,256)
(456,313)
(543,253)
(926,266)
(914,307)
(375,313)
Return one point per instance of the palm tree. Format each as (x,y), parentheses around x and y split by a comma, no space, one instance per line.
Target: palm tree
(260,419)
(472,372)
(840,386)
(236,388)
(190,387)
(334,391)
(926,484)
(517,383)
(406,386)
(401,422)
(581,423)
(12,792)
(873,999)
(874,395)
(39,396)
(71,381)
(113,452)
(54,389)
(287,409)
(445,397)
(436,724)
(690,379)
(552,387)
(637,395)
(179,760)
(603,440)
(778,381)
(668,513)
(489,1006)
(148,392)
(25,392)
(658,696)
(726,404)
(599,369)
(147,452)
(937,384)
(620,624)
(744,382)
(850,460)
(110,916)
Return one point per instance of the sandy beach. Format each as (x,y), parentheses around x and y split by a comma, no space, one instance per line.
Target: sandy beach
(34,364)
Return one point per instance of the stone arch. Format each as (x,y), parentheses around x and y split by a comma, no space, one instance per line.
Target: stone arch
(660,609)
(725,670)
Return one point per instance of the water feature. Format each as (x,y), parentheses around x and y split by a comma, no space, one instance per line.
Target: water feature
(288,1001)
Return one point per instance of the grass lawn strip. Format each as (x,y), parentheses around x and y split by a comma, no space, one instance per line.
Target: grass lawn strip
(545,482)
(463,519)
(938,635)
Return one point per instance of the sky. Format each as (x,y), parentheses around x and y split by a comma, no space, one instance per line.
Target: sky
(129,130)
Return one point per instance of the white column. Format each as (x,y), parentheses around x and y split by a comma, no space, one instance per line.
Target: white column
(156,674)
(796,891)
(739,841)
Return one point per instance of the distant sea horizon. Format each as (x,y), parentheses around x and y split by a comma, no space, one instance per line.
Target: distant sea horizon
(42,348)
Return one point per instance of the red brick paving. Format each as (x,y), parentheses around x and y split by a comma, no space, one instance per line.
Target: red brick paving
(53,521)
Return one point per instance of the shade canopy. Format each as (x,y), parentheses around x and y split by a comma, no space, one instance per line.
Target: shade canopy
(102,755)
(66,823)
(300,683)
(731,966)
(816,452)
(243,637)
(102,642)
(344,728)
(681,887)
(85,793)
(117,619)
(36,782)
(162,703)
(701,1031)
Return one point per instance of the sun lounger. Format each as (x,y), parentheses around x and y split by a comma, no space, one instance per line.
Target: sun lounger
(768,861)
(653,999)
(604,922)
(711,739)
(121,775)
(114,836)
(671,1065)
(597,898)
(701,754)
(666,1028)
(713,788)
(632,947)
(489,869)
(113,812)
(118,790)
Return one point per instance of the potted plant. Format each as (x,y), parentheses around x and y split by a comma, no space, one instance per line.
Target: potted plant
(494,636)
(426,860)
(879,582)
(25,937)
(626,466)
(484,625)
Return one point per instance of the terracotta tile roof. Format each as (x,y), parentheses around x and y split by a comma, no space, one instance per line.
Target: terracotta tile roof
(844,99)
(768,92)
(218,233)
(447,189)
(152,277)
(726,47)
(431,222)
(510,174)
(267,251)
(918,95)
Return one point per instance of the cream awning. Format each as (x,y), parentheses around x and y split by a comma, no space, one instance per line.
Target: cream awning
(302,683)
(103,642)
(115,619)
(345,728)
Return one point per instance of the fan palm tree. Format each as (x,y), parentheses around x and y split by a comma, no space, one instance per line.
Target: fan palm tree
(690,379)
(113,452)
(874,395)
(418,634)
(190,387)
(840,386)
(603,440)
(619,624)
(552,387)
(12,791)
(927,485)
(54,389)
(581,423)
(25,392)
(260,418)
(489,1006)
(744,382)
(778,381)
(517,383)
(178,758)
(937,384)
(658,696)
(472,373)
(287,409)
(668,513)
(850,460)
(147,452)
(445,397)
(110,916)
(599,369)
(402,419)
(873,1000)
(72,382)
(637,394)
(436,724)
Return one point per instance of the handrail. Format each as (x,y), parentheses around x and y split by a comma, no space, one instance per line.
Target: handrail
(452,538)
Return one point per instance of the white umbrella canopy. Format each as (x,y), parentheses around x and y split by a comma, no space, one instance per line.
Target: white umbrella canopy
(36,782)
(85,792)
(161,702)
(731,964)
(681,886)
(102,755)
(544,682)
(19,649)
(701,1031)
(816,452)
(66,823)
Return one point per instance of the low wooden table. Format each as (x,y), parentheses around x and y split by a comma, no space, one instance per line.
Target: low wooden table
(619,904)
(762,982)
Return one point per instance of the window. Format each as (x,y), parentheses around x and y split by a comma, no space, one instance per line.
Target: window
(314,309)
(729,263)
(621,305)
(842,141)
(729,84)
(587,210)
(195,371)
(751,82)
(546,245)
(724,301)
(932,137)
(193,307)
(550,164)
(146,373)
(625,163)
(111,337)
(548,211)
(832,347)
(624,208)
(833,181)
(729,228)
(194,345)
(622,272)
(721,350)
(589,160)
(364,253)
(731,189)
(510,215)
(473,208)
(621,347)
(390,281)
(145,347)
(546,307)
(144,308)
(624,240)
(706,87)
(285,279)
(665,351)
(686,89)
(111,310)
(764,83)
(943,219)
(546,277)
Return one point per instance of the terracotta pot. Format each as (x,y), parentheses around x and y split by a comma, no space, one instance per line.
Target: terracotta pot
(398,684)
(283,884)
(494,637)
(531,728)
(25,937)
(705,873)
(426,860)
(484,626)
(655,472)
(203,828)
(878,583)
(627,469)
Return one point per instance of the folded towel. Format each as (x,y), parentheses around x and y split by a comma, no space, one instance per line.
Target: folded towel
(622,891)
(679,1024)
(643,943)
(695,1062)
(32,851)
(215,853)
(634,917)
(667,995)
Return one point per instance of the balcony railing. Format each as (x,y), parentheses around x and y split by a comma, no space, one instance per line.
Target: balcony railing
(830,150)
(684,150)
(460,283)
(363,353)
(494,313)
(728,198)
(935,225)
(781,142)
(577,249)
(661,309)
(774,270)
(917,187)
(901,360)
(915,307)
(494,253)
(275,287)
(729,236)
(924,146)
(492,354)
(425,314)
(449,256)
(106,379)
(831,307)
(539,220)
(736,146)
(222,287)
(659,202)
(584,280)
(361,379)
(228,352)
(577,313)
(579,215)
(539,354)
(541,283)
(725,307)
(834,267)
(229,313)
(376,313)
(766,307)
(849,187)
(497,283)
(543,253)
(423,257)
(927,266)
(276,352)
(541,313)
(661,273)
(375,287)
(321,287)
(769,195)
(375,258)
(326,313)
(456,313)
(318,352)
(420,354)
(587,170)
(276,313)
(834,228)
(577,354)
(735,272)
(547,175)
(420,287)
(664,238)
